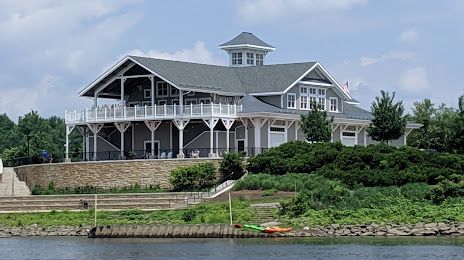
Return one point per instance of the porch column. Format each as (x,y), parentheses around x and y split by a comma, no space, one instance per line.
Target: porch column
(365,137)
(211,123)
(181,124)
(297,126)
(228,124)
(152,126)
(257,124)
(95,100)
(95,128)
(245,125)
(288,124)
(122,127)
(69,129)
(181,102)
(83,132)
(334,127)
(358,130)
(406,133)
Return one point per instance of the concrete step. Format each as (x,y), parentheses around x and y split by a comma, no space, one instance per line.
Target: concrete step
(11,185)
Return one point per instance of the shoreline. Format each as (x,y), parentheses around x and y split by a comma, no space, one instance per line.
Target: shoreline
(227,231)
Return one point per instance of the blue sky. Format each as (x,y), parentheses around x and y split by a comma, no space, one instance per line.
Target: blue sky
(51,49)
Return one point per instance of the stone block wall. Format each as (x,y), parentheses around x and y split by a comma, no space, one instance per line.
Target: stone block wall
(106,174)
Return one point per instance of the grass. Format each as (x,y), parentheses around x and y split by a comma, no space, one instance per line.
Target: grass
(203,213)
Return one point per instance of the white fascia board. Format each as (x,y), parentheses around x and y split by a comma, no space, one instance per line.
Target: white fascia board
(212,91)
(280,116)
(315,83)
(154,73)
(267,94)
(247,46)
(352,121)
(109,71)
(334,81)
(300,78)
(413,125)
(351,102)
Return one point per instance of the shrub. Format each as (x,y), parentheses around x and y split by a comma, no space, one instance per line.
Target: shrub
(194,177)
(269,192)
(231,166)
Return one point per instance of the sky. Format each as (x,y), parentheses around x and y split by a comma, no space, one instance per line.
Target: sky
(50,49)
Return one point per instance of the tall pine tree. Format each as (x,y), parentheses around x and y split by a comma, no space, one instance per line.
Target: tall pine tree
(388,122)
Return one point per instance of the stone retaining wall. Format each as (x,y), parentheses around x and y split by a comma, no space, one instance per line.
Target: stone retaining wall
(106,174)
(174,231)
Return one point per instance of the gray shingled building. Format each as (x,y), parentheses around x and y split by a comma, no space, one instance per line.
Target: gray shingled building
(166,109)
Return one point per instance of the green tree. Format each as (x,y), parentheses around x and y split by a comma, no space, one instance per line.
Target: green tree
(458,127)
(9,134)
(423,113)
(315,125)
(388,122)
(231,166)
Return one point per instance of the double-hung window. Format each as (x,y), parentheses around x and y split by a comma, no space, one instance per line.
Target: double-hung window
(304,98)
(250,58)
(162,88)
(291,100)
(236,58)
(333,104)
(259,59)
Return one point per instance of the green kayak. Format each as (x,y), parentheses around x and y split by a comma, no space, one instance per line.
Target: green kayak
(255,227)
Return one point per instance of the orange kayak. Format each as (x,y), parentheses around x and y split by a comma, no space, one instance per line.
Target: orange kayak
(276,229)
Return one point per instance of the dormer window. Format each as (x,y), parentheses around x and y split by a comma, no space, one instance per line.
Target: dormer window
(259,59)
(236,58)
(250,58)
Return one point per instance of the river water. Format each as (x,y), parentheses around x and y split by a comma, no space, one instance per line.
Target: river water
(219,249)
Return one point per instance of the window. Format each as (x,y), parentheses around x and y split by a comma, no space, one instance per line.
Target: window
(147,93)
(174,91)
(304,90)
(259,59)
(192,101)
(277,129)
(312,91)
(236,58)
(250,58)
(349,134)
(162,102)
(304,102)
(146,103)
(175,102)
(291,100)
(162,88)
(204,100)
(321,92)
(322,103)
(312,100)
(333,104)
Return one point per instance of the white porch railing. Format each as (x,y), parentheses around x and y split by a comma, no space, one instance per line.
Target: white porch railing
(119,113)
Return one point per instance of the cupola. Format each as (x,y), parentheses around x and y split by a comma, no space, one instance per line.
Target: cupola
(246,50)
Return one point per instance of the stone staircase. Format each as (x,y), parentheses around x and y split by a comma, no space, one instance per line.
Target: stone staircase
(11,185)
(263,212)
(45,203)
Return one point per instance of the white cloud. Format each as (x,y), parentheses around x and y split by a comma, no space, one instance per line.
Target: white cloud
(409,36)
(391,56)
(198,54)
(414,80)
(265,10)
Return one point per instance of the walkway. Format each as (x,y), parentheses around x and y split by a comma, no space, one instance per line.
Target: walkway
(6,188)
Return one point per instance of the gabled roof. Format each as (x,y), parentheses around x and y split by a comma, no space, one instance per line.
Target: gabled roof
(252,104)
(246,39)
(270,79)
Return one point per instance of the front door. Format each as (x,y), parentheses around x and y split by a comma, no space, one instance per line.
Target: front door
(148,147)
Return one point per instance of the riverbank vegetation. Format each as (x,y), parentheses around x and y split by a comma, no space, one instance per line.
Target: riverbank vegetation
(350,185)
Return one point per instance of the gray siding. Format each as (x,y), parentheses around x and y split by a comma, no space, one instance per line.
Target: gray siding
(273,100)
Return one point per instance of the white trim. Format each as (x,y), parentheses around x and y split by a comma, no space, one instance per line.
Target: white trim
(162,100)
(145,93)
(315,83)
(294,101)
(267,93)
(300,78)
(170,91)
(167,89)
(134,103)
(108,72)
(146,103)
(149,142)
(247,46)
(174,100)
(336,104)
(135,76)
(340,88)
